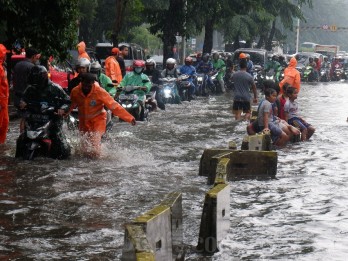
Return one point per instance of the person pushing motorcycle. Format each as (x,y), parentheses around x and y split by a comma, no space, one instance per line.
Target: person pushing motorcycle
(90,100)
(39,92)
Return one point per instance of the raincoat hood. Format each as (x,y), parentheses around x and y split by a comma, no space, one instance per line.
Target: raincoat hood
(293,62)
(3,51)
(81,47)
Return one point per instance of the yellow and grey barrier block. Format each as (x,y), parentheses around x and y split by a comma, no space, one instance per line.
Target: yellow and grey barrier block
(136,246)
(215,221)
(163,229)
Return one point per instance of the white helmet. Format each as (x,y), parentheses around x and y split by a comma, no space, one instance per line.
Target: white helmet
(171,61)
(95,68)
(83,62)
(150,62)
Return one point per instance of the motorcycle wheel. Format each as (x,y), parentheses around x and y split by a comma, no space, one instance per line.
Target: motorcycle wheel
(184,95)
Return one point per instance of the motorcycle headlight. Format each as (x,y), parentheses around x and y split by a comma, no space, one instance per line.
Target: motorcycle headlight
(124,105)
(129,105)
(200,78)
(167,91)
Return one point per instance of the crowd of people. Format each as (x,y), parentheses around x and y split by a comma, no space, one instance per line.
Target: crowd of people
(92,90)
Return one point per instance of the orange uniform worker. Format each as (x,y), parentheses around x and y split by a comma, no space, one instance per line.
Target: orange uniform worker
(291,76)
(81,49)
(112,67)
(90,100)
(4,93)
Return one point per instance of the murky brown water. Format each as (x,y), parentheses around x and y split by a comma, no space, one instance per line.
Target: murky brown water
(75,209)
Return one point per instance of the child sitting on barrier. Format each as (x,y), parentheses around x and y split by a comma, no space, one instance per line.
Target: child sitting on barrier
(266,120)
(292,116)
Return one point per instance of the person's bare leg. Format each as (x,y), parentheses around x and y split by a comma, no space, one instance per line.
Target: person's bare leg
(283,140)
(311,131)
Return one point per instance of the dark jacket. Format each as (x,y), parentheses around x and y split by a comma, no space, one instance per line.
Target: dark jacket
(20,78)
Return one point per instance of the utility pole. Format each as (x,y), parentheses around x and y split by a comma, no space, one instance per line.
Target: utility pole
(183,39)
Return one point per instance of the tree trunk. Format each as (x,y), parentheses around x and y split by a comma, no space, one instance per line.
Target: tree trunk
(120,9)
(236,44)
(268,46)
(208,36)
(170,29)
(260,42)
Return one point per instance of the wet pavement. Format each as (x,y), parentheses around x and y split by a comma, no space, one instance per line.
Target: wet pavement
(76,209)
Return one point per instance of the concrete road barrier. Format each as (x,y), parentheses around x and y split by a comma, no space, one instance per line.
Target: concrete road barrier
(163,230)
(215,221)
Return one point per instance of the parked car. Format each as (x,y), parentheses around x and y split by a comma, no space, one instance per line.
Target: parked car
(257,56)
(135,52)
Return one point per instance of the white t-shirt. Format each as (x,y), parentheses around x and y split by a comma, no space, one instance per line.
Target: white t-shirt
(291,108)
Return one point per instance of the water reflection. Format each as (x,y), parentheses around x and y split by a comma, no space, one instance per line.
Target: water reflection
(76,209)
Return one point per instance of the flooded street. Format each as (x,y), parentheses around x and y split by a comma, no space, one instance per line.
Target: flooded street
(76,209)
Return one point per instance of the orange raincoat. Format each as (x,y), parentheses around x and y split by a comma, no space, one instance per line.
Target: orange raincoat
(291,76)
(4,93)
(92,115)
(81,48)
(113,69)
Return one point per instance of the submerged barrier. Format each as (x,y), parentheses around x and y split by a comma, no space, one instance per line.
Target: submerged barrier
(158,234)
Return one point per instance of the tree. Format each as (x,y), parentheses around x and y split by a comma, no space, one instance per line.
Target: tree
(50,26)
(166,20)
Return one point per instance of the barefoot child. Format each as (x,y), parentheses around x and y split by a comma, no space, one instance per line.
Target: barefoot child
(292,116)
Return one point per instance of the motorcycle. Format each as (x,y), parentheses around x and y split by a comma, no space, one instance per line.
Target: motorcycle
(308,74)
(203,87)
(132,103)
(169,91)
(337,73)
(184,87)
(324,75)
(35,140)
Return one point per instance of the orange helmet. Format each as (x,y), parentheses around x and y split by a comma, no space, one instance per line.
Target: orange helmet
(242,56)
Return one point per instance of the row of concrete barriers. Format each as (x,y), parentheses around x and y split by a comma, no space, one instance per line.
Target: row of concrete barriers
(158,234)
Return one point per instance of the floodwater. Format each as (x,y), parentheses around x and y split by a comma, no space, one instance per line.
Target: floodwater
(76,209)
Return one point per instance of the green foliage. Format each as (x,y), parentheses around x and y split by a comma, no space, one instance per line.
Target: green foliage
(142,36)
(49,26)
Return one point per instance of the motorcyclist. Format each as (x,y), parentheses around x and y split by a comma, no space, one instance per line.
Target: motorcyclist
(90,99)
(206,67)
(317,67)
(155,76)
(82,66)
(140,79)
(282,62)
(103,80)
(171,72)
(273,66)
(188,69)
(40,91)
(334,65)
(198,59)
(220,67)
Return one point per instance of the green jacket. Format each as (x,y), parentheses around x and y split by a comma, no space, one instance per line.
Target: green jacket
(220,66)
(104,82)
(134,79)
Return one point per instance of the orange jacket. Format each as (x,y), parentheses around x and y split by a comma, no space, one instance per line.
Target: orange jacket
(81,48)
(4,93)
(291,76)
(92,115)
(112,69)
